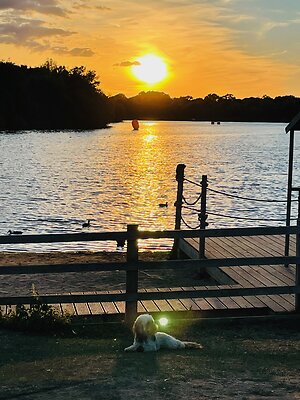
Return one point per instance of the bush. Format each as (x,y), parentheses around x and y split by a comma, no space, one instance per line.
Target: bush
(38,318)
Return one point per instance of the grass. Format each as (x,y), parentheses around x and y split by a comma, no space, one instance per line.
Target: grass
(241,359)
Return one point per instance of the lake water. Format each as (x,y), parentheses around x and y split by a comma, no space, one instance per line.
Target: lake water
(51,182)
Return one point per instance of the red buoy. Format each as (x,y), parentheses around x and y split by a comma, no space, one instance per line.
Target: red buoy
(135,124)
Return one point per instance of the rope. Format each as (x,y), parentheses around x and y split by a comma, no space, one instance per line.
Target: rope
(189,226)
(194,183)
(192,204)
(249,219)
(192,209)
(248,198)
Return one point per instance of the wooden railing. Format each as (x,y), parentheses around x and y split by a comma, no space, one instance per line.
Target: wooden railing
(133,265)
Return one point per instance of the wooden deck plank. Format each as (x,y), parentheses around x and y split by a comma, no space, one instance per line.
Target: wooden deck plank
(120,305)
(190,304)
(95,307)
(68,309)
(81,308)
(216,303)
(271,303)
(256,302)
(108,306)
(290,298)
(176,304)
(240,301)
(203,304)
(162,305)
(149,305)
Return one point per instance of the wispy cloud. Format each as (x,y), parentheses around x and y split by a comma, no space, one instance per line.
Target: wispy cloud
(41,6)
(20,31)
(127,63)
(89,5)
(75,52)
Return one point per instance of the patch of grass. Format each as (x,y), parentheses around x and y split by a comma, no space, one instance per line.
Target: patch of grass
(249,357)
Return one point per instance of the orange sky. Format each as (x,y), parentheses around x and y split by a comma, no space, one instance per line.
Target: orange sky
(247,48)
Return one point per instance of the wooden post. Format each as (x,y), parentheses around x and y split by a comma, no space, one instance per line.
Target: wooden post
(297,278)
(131,276)
(178,204)
(203,215)
(289,192)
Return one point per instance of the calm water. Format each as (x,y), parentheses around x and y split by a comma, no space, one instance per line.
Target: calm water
(51,182)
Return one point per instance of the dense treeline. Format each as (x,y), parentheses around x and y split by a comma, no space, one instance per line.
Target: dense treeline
(157,105)
(50,97)
(54,97)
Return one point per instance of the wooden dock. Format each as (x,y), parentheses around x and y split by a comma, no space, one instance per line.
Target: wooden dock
(249,276)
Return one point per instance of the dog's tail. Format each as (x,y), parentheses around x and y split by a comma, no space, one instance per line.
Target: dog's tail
(192,345)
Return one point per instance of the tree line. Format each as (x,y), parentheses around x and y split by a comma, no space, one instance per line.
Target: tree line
(157,105)
(55,97)
(50,97)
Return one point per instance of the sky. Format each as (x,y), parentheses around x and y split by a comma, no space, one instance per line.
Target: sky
(243,47)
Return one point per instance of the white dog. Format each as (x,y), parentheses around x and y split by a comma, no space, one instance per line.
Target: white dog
(147,338)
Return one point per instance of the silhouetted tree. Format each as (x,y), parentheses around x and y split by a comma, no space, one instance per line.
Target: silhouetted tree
(50,97)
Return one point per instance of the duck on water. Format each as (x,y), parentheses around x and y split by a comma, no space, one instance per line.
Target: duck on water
(10,232)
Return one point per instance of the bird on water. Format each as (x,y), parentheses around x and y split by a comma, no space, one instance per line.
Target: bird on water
(10,232)
(87,224)
(163,204)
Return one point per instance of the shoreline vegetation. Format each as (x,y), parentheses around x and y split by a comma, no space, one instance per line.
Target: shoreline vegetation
(53,97)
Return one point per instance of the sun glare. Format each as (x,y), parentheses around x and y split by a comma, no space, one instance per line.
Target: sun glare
(151,69)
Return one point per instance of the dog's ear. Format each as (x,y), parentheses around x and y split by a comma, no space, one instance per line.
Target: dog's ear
(151,328)
(139,331)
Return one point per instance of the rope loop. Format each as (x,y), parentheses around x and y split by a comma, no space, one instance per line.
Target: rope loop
(194,202)
(189,226)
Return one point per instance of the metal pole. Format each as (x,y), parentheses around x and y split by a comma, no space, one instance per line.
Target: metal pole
(289,192)
(131,276)
(203,215)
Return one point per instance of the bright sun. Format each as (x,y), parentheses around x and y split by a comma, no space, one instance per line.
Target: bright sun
(151,69)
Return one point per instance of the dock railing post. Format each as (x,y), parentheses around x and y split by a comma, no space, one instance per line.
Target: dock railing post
(131,276)
(289,192)
(297,276)
(178,204)
(203,215)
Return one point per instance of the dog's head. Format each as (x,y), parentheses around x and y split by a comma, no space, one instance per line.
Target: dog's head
(144,327)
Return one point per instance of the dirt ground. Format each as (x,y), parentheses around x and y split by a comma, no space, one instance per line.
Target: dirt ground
(195,389)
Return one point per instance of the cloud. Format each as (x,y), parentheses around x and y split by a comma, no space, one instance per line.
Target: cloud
(89,5)
(75,52)
(36,36)
(127,63)
(21,31)
(42,6)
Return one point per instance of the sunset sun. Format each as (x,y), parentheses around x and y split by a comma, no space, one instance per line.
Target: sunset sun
(151,69)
